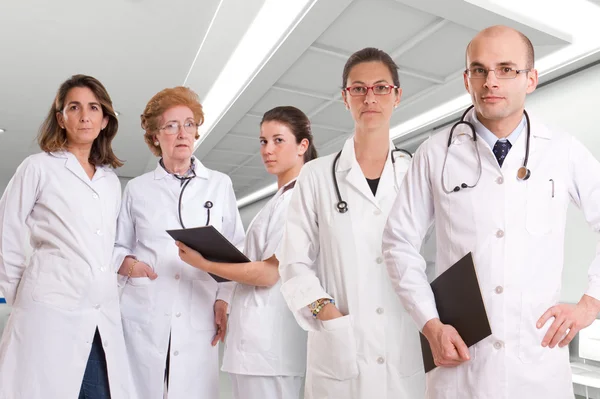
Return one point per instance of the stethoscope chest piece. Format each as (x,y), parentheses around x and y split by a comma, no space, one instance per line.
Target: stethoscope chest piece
(523,173)
(342,207)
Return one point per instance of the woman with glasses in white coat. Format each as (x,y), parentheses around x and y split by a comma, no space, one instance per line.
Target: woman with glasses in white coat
(265,352)
(361,342)
(173,314)
(64,337)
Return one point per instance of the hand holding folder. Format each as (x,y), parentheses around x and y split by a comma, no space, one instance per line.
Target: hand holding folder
(460,304)
(210,244)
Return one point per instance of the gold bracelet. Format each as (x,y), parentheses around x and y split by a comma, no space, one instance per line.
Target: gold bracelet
(131,268)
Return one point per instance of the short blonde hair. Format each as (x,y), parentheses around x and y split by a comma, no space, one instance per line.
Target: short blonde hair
(160,103)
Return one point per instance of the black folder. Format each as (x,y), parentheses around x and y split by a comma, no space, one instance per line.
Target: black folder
(459,303)
(211,244)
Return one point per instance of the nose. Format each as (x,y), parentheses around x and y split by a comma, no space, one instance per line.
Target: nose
(268,148)
(181,133)
(84,116)
(491,80)
(370,97)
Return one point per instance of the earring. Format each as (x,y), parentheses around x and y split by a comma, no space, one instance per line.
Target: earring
(156,143)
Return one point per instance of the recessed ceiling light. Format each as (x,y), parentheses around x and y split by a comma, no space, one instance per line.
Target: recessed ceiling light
(2,130)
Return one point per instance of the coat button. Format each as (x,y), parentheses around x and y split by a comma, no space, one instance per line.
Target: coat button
(97,306)
(380,360)
(379,260)
(98,232)
(175,353)
(105,344)
(379,310)
(102,269)
(177,277)
(498,345)
(500,180)
(500,234)
(95,196)
(499,289)
(178,314)
(377,212)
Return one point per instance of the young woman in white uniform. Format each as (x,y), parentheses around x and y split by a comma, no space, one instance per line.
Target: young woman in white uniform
(265,351)
(65,325)
(173,314)
(363,345)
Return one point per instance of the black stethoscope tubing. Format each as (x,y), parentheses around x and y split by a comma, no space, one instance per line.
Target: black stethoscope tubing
(342,206)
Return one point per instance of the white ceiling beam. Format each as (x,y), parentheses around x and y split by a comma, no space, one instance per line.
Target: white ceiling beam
(307,93)
(438,24)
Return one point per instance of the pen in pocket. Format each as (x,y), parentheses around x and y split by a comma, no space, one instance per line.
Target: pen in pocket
(552,181)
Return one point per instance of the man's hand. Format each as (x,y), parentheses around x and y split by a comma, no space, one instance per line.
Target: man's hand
(220,321)
(447,347)
(571,318)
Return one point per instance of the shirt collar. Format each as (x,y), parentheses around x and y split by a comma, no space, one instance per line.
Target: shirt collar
(490,138)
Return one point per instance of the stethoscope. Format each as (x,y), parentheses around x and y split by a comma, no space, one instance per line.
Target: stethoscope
(342,206)
(522,174)
(185,180)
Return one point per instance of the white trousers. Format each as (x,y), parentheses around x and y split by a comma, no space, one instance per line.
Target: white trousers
(266,387)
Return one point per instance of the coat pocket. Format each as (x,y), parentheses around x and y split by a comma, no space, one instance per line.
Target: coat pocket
(332,350)
(530,337)
(58,282)
(540,202)
(136,301)
(204,295)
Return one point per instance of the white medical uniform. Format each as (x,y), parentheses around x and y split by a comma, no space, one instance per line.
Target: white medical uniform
(373,351)
(180,303)
(68,288)
(265,350)
(515,230)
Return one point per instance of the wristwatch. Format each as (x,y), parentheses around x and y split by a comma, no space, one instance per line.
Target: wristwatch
(319,304)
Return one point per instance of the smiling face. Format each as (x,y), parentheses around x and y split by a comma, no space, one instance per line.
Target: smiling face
(176,147)
(370,111)
(81,117)
(498,99)
(279,149)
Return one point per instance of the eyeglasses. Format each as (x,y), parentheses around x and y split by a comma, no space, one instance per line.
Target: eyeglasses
(189,126)
(378,90)
(500,72)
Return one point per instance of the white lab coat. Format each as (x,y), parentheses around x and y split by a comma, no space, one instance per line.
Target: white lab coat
(373,351)
(179,303)
(69,286)
(516,233)
(263,338)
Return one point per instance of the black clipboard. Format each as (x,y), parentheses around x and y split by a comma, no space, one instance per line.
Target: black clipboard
(459,303)
(211,244)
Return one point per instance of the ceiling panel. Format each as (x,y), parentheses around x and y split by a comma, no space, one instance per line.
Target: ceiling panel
(275,98)
(334,115)
(227,157)
(322,135)
(374,23)
(440,54)
(247,145)
(316,71)
(411,85)
(221,167)
(248,126)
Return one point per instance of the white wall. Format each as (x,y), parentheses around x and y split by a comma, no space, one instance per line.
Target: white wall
(572,104)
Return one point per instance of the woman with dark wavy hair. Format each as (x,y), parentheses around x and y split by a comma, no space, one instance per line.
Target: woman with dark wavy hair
(64,337)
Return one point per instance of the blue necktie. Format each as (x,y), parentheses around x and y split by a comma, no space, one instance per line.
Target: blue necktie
(501,149)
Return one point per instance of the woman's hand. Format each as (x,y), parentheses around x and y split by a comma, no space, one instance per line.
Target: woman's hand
(192,257)
(133,268)
(220,321)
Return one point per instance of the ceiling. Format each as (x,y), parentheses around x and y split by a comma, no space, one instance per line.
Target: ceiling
(138,47)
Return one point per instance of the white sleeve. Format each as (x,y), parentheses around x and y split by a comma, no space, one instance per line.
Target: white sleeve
(299,252)
(233,230)
(125,239)
(409,220)
(584,189)
(16,205)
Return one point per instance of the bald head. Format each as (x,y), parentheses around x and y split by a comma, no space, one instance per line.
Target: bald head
(504,33)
